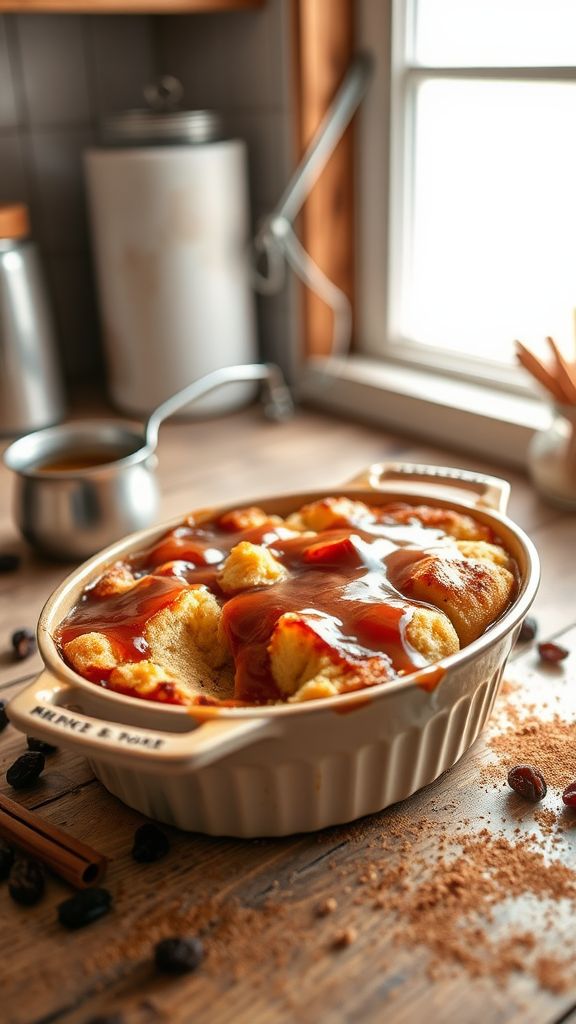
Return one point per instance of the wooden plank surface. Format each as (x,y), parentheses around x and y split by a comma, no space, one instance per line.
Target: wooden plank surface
(270,957)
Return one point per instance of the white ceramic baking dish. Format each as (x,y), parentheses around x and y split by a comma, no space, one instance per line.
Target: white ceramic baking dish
(271,771)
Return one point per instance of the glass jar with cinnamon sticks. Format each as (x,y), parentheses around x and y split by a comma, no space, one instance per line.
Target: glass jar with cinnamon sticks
(552,452)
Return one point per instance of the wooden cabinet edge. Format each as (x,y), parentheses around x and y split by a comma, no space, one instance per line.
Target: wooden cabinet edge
(324,36)
(125,6)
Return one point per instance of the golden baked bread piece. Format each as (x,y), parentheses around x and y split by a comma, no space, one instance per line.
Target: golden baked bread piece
(304,666)
(91,653)
(249,565)
(145,679)
(432,634)
(329,513)
(116,580)
(471,592)
(247,519)
(187,640)
(481,549)
(455,524)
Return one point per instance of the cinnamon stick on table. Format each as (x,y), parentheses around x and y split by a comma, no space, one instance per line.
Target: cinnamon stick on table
(73,860)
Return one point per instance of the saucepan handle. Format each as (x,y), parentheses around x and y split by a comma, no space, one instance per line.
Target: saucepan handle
(42,710)
(490,491)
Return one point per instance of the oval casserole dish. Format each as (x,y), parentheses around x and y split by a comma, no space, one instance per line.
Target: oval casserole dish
(276,770)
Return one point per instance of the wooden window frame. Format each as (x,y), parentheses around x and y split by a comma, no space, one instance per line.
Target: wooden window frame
(324,37)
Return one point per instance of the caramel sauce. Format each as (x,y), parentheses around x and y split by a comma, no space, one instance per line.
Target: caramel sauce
(343,583)
(78,460)
(122,618)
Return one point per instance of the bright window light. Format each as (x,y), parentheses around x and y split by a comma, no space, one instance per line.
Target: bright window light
(492,33)
(483,201)
(493,248)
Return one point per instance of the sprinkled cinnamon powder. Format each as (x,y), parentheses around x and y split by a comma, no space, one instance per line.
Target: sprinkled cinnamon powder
(437,884)
(549,745)
(547,819)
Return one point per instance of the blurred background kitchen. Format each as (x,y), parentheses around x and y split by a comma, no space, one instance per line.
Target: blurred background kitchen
(445,215)
(59,74)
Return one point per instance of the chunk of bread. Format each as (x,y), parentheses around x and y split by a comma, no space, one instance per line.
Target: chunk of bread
(146,679)
(305,667)
(431,633)
(90,654)
(250,565)
(455,524)
(485,552)
(116,580)
(247,519)
(187,640)
(471,592)
(330,513)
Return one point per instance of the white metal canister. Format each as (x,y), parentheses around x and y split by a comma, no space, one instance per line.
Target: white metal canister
(170,220)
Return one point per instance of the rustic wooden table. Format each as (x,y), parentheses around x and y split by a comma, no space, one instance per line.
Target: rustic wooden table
(270,954)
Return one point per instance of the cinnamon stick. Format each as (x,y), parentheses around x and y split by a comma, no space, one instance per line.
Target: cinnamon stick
(73,860)
(539,371)
(565,373)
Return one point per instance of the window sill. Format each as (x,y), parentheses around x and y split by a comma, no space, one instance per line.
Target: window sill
(470,417)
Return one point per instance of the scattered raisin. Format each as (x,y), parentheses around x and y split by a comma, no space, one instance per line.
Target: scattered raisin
(178,956)
(26,881)
(24,643)
(9,563)
(40,746)
(150,844)
(569,795)
(528,630)
(26,769)
(6,859)
(552,652)
(345,938)
(106,1018)
(4,720)
(84,907)
(528,781)
(328,906)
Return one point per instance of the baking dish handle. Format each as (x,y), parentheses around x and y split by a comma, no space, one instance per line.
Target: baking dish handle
(491,491)
(45,710)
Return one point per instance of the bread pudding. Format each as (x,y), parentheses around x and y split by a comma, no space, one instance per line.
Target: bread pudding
(250,608)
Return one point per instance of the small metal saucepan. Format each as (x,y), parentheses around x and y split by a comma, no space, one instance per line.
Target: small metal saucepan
(81,486)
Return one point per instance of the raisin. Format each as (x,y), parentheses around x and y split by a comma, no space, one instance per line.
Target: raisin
(6,859)
(178,956)
(26,881)
(85,907)
(528,630)
(150,844)
(40,746)
(106,1018)
(528,781)
(569,795)
(26,769)
(9,563)
(23,643)
(4,720)
(552,652)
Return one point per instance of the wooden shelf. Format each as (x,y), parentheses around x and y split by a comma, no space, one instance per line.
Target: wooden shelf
(125,6)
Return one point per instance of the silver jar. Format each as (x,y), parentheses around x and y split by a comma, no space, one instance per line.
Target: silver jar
(31,394)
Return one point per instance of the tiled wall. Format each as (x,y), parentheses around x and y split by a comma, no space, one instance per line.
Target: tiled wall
(59,73)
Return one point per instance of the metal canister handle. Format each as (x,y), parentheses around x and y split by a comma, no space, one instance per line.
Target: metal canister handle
(492,492)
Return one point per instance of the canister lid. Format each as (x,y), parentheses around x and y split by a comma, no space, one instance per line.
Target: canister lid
(161,123)
(14,221)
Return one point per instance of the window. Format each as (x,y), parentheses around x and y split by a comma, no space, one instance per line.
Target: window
(482,210)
